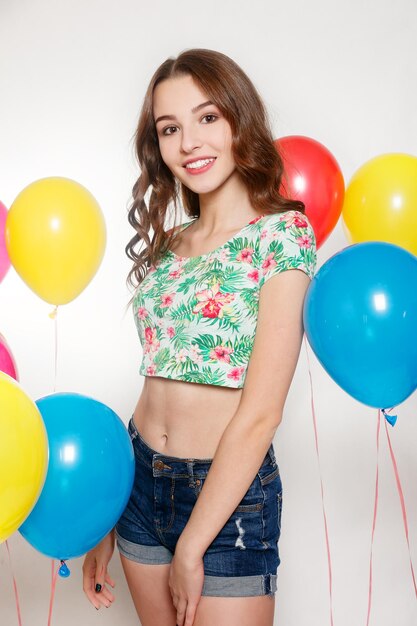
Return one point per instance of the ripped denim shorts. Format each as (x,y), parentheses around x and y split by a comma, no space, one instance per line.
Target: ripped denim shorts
(243,558)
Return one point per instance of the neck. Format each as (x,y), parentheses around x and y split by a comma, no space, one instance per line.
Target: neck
(225,209)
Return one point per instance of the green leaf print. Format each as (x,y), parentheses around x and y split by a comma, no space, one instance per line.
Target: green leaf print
(238,244)
(250,298)
(208,376)
(277,248)
(161,358)
(186,285)
(191,264)
(181,339)
(279,226)
(232,280)
(183,311)
(138,301)
(207,343)
(229,323)
(159,333)
(181,367)
(242,349)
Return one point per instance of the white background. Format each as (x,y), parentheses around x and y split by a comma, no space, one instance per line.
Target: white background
(73,75)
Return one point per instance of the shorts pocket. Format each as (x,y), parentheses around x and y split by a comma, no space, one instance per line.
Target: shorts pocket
(164,506)
(253,500)
(269,477)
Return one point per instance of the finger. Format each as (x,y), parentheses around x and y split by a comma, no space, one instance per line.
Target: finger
(88,588)
(106,594)
(101,572)
(102,600)
(104,597)
(181,608)
(190,615)
(92,598)
(110,580)
(89,573)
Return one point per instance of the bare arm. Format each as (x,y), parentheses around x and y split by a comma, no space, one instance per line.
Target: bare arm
(248,436)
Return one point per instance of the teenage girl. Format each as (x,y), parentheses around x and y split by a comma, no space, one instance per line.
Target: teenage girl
(219,316)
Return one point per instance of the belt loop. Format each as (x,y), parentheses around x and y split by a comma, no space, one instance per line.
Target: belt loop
(133,431)
(190,470)
(272,454)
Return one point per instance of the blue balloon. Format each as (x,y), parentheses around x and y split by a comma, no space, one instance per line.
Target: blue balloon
(89,480)
(360,317)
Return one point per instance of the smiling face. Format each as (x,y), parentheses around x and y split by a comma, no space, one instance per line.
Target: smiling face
(195,139)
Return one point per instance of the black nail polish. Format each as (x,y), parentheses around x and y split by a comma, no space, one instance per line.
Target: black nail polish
(98,588)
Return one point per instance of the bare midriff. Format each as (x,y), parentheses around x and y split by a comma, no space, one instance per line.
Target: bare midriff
(183,419)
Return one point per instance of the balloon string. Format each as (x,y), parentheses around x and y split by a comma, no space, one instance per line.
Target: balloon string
(16,595)
(378,429)
(53,586)
(329,559)
(54,316)
(403,507)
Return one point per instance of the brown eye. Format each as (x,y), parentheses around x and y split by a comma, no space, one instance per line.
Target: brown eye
(212,116)
(168,129)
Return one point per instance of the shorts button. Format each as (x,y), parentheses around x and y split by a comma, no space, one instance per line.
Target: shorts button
(198,482)
(159,465)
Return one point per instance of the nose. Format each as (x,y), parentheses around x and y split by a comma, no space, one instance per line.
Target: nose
(190,138)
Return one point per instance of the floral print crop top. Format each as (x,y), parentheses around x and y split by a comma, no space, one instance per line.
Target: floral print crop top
(196,316)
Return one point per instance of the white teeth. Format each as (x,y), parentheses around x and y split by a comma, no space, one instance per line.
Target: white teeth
(197,164)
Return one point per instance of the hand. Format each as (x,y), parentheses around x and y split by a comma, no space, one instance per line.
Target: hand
(95,573)
(186,578)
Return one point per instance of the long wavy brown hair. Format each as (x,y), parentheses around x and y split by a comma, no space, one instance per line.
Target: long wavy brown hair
(257,159)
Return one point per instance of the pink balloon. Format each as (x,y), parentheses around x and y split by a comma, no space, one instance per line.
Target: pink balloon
(7,362)
(4,257)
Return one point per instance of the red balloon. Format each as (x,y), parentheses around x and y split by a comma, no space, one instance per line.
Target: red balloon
(7,362)
(314,177)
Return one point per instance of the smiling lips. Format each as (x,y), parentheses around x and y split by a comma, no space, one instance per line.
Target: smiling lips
(199,166)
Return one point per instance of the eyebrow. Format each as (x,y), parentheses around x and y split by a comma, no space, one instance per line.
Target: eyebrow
(194,110)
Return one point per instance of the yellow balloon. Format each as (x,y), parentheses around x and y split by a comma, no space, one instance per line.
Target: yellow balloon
(55,237)
(24,455)
(381,202)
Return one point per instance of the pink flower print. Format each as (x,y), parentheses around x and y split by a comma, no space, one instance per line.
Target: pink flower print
(245,255)
(224,255)
(212,309)
(151,342)
(151,370)
(176,273)
(293,217)
(236,373)
(264,233)
(211,301)
(181,356)
(170,332)
(254,275)
(256,219)
(221,353)
(195,354)
(300,222)
(142,313)
(304,241)
(166,300)
(269,263)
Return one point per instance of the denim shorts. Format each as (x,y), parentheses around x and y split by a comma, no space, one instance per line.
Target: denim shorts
(243,558)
